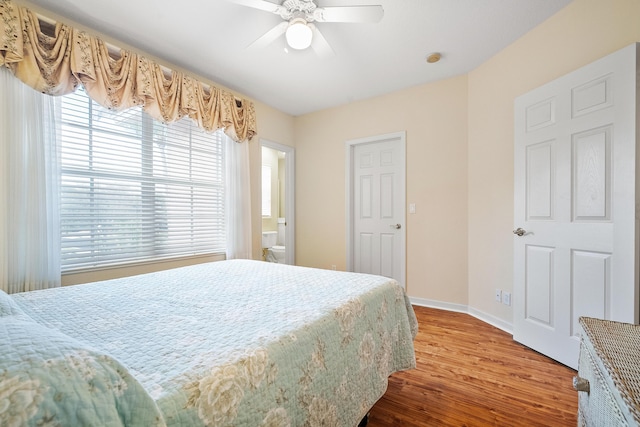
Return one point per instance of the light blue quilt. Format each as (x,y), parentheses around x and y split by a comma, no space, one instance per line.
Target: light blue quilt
(50,379)
(233,343)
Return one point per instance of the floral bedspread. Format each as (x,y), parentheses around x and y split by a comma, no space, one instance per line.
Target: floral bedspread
(241,343)
(50,379)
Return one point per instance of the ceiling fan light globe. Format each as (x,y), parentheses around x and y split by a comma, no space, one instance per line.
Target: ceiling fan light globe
(299,35)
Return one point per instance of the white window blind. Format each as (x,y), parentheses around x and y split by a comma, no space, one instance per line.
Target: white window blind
(134,189)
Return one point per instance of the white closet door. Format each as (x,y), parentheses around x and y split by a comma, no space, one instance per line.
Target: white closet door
(575,185)
(378,200)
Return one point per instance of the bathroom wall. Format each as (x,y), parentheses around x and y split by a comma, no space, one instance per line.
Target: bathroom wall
(275,126)
(281,185)
(270,158)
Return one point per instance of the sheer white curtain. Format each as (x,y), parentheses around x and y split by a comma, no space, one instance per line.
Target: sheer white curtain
(29,185)
(238,199)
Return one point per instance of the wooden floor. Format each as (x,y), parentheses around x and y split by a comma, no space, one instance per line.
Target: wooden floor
(470,373)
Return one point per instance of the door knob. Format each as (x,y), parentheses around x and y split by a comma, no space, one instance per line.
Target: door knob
(580,384)
(519,232)
(396,226)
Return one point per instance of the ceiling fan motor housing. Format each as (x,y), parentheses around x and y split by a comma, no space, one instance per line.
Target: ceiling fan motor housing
(304,9)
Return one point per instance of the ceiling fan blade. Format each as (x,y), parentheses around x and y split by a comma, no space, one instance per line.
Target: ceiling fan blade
(270,36)
(258,4)
(358,14)
(320,45)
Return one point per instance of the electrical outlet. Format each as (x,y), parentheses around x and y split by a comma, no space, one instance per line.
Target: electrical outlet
(506,298)
(498,295)
(333,266)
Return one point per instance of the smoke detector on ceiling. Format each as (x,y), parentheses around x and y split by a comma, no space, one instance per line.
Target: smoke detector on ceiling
(434,57)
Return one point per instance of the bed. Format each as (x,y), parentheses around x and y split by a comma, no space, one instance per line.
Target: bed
(231,343)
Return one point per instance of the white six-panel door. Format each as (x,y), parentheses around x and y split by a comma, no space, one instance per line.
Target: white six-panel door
(575,182)
(378,214)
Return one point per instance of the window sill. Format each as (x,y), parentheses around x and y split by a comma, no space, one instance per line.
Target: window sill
(124,270)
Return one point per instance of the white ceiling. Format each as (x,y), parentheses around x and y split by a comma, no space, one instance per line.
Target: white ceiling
(210,38)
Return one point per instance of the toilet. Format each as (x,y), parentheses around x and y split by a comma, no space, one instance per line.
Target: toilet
(276,254)
(269,239)
(273,242)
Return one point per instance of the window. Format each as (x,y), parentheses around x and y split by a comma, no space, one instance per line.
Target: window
(134,189)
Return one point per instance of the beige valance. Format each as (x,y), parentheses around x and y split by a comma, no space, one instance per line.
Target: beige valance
(57,62)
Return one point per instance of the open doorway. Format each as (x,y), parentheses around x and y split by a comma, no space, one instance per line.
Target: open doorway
(278,204)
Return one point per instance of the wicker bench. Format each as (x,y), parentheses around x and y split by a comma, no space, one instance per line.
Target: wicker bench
(608,378)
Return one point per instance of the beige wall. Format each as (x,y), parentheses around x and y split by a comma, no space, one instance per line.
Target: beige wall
(459,159)
(580,33)
(434,117)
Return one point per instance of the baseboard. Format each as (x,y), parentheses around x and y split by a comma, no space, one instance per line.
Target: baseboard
(461,308)
(492,320)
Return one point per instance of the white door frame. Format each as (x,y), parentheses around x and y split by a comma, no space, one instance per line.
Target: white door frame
(349,159)
(289,195)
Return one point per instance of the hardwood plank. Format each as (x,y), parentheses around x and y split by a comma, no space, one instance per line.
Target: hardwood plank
(470,373)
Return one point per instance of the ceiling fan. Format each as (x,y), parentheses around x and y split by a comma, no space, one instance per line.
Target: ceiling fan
(299,16)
